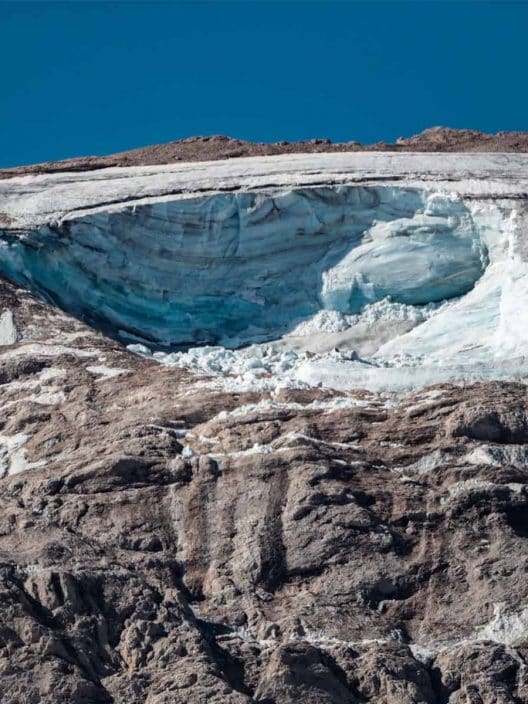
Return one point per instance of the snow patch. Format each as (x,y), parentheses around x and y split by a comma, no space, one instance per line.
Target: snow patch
(49,397)
(463,487)
(427,463)
(507,627)
(13,455)
(106,372)
(8,331)
(498,456)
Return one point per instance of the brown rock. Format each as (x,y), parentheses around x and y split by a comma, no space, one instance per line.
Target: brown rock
(210,148)
(377,554)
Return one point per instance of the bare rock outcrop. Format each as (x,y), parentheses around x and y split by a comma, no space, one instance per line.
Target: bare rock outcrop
(163,542)
(213,147)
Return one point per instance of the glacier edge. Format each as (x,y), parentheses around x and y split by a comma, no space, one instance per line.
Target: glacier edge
(253,265)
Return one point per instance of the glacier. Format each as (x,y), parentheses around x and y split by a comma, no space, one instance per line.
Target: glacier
(236,266)
(417,262)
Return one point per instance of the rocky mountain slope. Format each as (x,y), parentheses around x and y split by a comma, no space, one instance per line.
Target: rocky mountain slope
(207,148)
(282,522)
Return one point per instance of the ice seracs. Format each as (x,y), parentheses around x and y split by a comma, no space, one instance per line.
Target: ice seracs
(434,255)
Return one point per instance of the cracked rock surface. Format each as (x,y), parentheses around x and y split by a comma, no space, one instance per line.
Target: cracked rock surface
(166,542)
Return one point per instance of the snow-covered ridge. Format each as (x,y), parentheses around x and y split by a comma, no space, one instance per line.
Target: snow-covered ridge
(304,250)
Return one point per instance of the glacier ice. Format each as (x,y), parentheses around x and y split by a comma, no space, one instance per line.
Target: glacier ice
(249,266)
(412,267)
(434,255)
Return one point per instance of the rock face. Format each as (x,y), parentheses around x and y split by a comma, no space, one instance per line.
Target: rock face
(166,538)
(172,543)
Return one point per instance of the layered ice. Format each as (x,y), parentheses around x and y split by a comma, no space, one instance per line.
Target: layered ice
(246,266)
(381,271)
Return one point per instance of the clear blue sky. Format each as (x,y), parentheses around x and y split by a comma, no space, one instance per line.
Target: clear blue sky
(98,77)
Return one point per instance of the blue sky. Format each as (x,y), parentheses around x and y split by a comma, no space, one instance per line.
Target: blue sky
(98,77)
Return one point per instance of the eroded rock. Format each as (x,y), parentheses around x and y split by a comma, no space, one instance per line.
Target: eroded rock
(164,542)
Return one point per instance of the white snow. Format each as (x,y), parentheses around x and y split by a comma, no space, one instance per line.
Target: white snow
(269,405)
(49,397)
(34,200)
(463,487)
(498,455)
(106,372)
(42,386)
(507,627)
(427,463)
(13,455)
(8,331)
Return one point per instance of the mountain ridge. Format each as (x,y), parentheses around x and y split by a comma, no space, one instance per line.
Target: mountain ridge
(216,147)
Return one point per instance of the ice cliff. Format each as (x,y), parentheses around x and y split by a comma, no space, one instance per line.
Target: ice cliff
(412,261)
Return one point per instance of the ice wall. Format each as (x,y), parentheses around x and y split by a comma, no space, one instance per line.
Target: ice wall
(245,266)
